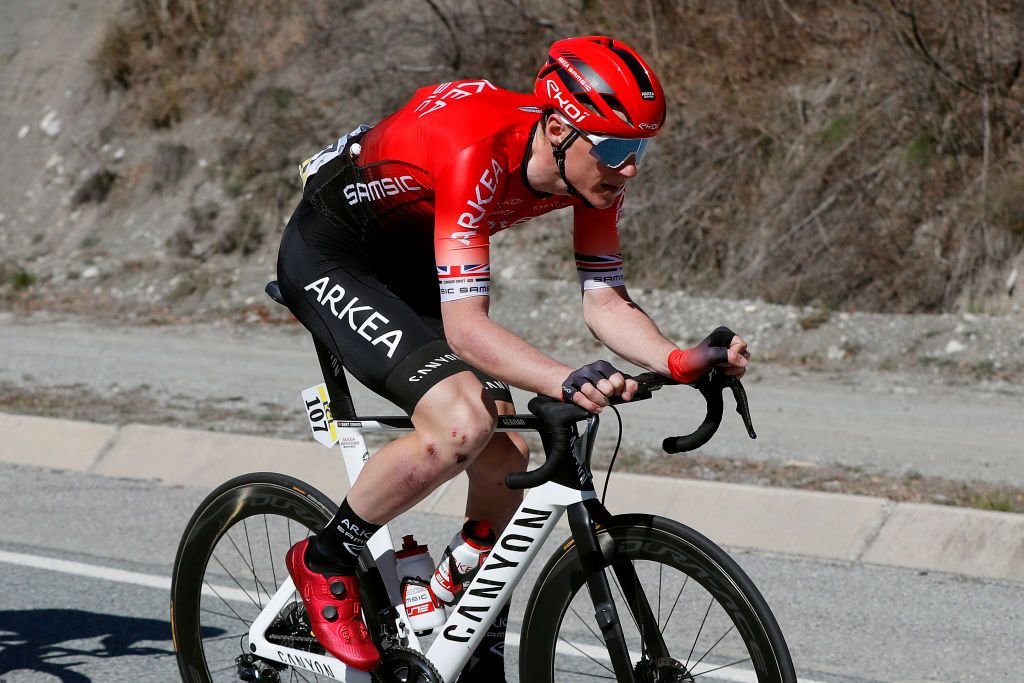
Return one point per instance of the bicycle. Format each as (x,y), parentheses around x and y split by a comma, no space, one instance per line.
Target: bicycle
(222,576)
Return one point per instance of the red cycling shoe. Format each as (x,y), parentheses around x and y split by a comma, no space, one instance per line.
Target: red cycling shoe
(334,611)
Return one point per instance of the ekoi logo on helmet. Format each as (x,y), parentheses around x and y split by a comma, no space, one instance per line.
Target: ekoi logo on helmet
(575,113)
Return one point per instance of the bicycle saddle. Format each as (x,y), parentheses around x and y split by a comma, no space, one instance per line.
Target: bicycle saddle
(274,292)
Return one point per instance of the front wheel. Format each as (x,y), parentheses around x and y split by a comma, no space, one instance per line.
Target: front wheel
(688,612)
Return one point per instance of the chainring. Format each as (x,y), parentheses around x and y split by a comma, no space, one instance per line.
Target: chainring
(404,665)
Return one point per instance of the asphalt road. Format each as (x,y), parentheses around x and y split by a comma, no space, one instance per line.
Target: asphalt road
(844,623)
(884,422)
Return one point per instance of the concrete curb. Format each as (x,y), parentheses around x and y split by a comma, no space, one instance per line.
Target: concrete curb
(825,525)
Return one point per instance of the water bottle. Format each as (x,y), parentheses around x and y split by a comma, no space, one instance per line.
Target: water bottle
(414,566)
(462,560)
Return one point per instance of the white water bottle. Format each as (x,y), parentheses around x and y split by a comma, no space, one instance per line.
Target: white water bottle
(414,567)
(462,560)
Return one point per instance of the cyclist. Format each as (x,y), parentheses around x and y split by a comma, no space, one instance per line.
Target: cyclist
(389,208)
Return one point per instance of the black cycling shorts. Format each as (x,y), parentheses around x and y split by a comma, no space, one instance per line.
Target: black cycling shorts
(379,313)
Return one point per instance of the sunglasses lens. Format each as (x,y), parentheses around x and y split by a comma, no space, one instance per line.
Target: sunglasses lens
(614,152)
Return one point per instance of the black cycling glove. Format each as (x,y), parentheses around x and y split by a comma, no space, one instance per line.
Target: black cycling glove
(591,373)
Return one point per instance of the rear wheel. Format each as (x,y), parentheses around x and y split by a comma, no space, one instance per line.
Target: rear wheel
(229,564)
(688,611)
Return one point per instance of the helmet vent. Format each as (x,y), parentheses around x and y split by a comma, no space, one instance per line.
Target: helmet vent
(617,107)
(643,81)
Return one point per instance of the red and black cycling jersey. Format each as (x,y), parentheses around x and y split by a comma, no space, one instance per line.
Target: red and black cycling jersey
(452,163)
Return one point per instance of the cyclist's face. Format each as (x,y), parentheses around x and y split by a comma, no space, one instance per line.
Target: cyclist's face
(597,183)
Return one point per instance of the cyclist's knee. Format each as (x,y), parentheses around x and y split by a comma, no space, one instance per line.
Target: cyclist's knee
(455,421)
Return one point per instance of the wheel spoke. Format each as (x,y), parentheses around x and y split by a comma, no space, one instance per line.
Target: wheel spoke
(697,637)
(235,616)
(588,656)
(724,666)
(270,555)
(252,565)
(232,577)
(231,636)
(727,632)
(679,595)
(586,625)
(226,603)
(584,674)
(660,568)
(302,676)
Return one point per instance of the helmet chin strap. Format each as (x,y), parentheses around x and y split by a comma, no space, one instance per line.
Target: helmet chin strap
(559,153)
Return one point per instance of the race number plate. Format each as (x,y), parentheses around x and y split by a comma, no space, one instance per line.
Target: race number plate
(318,412)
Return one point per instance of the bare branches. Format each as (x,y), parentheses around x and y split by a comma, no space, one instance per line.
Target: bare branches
(915,40)
(456,60)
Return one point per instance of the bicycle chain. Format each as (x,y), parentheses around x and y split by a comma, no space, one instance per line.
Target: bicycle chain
(398,655)
(277,639)
(282,639)
(393,656)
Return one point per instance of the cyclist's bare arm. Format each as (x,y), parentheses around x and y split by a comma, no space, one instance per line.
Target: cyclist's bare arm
(623,327)
(502,354)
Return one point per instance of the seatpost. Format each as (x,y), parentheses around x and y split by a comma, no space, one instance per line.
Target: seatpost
(600,591)
(341,406)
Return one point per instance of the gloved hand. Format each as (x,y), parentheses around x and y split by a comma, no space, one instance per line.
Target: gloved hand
(721,348)
(574,387)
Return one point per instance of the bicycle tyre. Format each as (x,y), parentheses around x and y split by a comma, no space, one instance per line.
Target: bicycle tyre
(281,498)
(658,542)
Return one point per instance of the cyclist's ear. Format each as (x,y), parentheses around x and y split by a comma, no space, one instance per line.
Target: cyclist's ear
(554,128)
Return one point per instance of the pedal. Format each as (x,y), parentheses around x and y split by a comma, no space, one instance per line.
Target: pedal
(318,411)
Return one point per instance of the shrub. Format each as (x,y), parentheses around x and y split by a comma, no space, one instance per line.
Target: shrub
(20,280)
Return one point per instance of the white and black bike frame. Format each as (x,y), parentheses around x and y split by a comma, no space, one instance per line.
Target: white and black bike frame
(490,589)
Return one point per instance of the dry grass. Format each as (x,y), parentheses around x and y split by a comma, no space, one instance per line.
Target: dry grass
(844,155)
(174,58)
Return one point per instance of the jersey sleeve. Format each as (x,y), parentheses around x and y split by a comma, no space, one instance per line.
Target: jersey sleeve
(465,190)
(596,243)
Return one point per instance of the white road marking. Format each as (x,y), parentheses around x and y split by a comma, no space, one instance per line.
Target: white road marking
(119,575)
(89,570)
(512,639)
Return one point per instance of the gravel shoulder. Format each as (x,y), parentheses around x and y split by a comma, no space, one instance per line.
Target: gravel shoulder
(930,433)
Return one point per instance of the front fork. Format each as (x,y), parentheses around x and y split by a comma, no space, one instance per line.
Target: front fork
(593,562)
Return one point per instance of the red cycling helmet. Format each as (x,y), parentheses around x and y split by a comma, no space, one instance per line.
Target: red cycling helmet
(601,86)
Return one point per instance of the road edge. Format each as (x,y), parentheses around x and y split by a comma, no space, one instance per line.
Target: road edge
(831,526)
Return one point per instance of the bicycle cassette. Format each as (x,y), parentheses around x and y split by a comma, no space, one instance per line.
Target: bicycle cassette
(403,665)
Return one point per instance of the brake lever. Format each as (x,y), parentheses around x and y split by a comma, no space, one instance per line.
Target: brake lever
(742,405)
(711,386)
(716,380)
